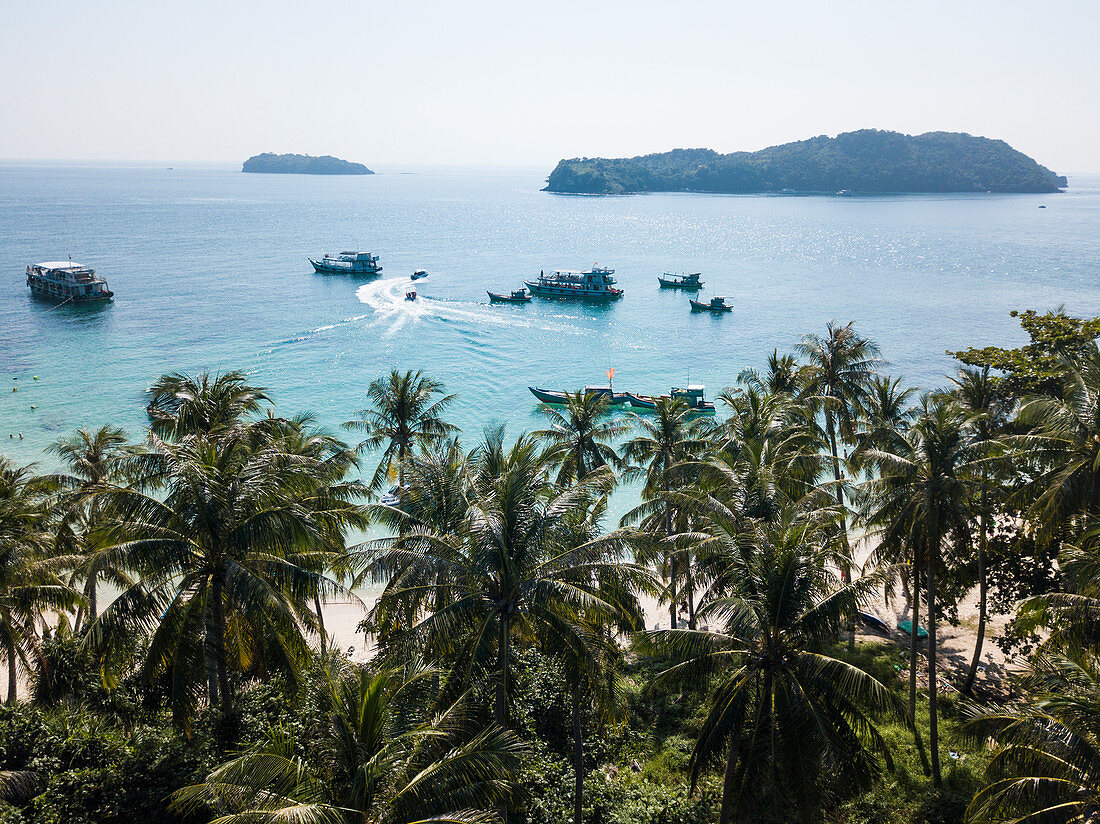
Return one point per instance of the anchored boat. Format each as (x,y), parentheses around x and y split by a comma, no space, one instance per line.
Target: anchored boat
(595,285)
(518,296)
(693,396)
(716,305)
(66,281)
(671,281)
(347,263)
(553,396)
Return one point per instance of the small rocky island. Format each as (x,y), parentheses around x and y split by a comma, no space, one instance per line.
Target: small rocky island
(297,164)
(869,161)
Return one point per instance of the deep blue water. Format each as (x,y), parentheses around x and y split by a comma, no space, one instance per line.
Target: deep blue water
(209,270)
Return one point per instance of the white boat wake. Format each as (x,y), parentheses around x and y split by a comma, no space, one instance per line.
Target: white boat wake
(387,298)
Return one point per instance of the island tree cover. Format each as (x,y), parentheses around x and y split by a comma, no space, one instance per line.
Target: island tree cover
(297,164)
(865,161)
(512,675)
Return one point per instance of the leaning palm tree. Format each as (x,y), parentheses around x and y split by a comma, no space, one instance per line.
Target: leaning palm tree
(580,436)
(215,537)
(405,414)
(782,376)
(927,484)
(30,577)
(384,767)
(785,717)
(206,405)
(657,456)
(1047,764)
(92,461)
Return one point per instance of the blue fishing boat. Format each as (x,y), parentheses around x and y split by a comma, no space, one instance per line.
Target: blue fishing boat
(671,281)
(557,397)
(716,305)
(693,396)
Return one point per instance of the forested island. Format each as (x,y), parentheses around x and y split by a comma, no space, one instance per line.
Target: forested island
(298,164)
(868,160)
(739,647)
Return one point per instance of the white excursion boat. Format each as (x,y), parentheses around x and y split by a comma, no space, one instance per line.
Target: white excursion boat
(347,263)
(595,284)
(66,281)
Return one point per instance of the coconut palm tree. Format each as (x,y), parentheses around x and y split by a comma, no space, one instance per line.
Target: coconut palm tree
(30,577)
(92,460)
(782,376)
(581,435)
(837,375)
(1047,763)
(384,768)
(405,414)
(977,392)
(785,717)
(1064,441)
(516,571)
(657,456)
(215,534)
(203,406)
(926,489)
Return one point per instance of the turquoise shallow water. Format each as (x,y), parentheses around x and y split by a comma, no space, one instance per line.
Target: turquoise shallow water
(209,270)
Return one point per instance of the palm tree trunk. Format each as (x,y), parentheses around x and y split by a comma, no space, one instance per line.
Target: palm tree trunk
(671,570)
(845,567)
(933,708)
(725,814)
(502,672)
(982,592)
(93,611)
(915,621)
(13,675)
(690,594)
(320,621)
(578,756)
(224,693)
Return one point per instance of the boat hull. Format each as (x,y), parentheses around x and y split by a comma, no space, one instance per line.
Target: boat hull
(566,293)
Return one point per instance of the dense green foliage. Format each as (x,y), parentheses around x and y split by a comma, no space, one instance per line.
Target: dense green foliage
(864,161)
(512,674)
(297,164)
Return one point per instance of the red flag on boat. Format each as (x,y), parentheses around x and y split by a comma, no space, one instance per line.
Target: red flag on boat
(610,375)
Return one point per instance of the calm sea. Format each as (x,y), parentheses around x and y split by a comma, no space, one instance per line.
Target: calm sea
(209,270)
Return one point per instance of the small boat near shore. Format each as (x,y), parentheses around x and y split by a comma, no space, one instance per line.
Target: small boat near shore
(682,281)
(594,285)
(694,396)
(347,263)
(67,282)
(553,396)
(518,296)
(716,305)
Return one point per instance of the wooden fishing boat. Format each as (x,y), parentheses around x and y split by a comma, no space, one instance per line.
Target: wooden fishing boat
(518,296)
(554,396)
(671,281)
(693,396)
(715,305)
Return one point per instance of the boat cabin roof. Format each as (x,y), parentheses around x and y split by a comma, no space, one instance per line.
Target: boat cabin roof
(61,264)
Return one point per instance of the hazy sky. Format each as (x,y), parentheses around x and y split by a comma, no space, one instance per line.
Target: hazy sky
(514,82)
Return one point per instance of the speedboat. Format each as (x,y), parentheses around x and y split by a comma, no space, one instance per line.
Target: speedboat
(410,296)
(418,274)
